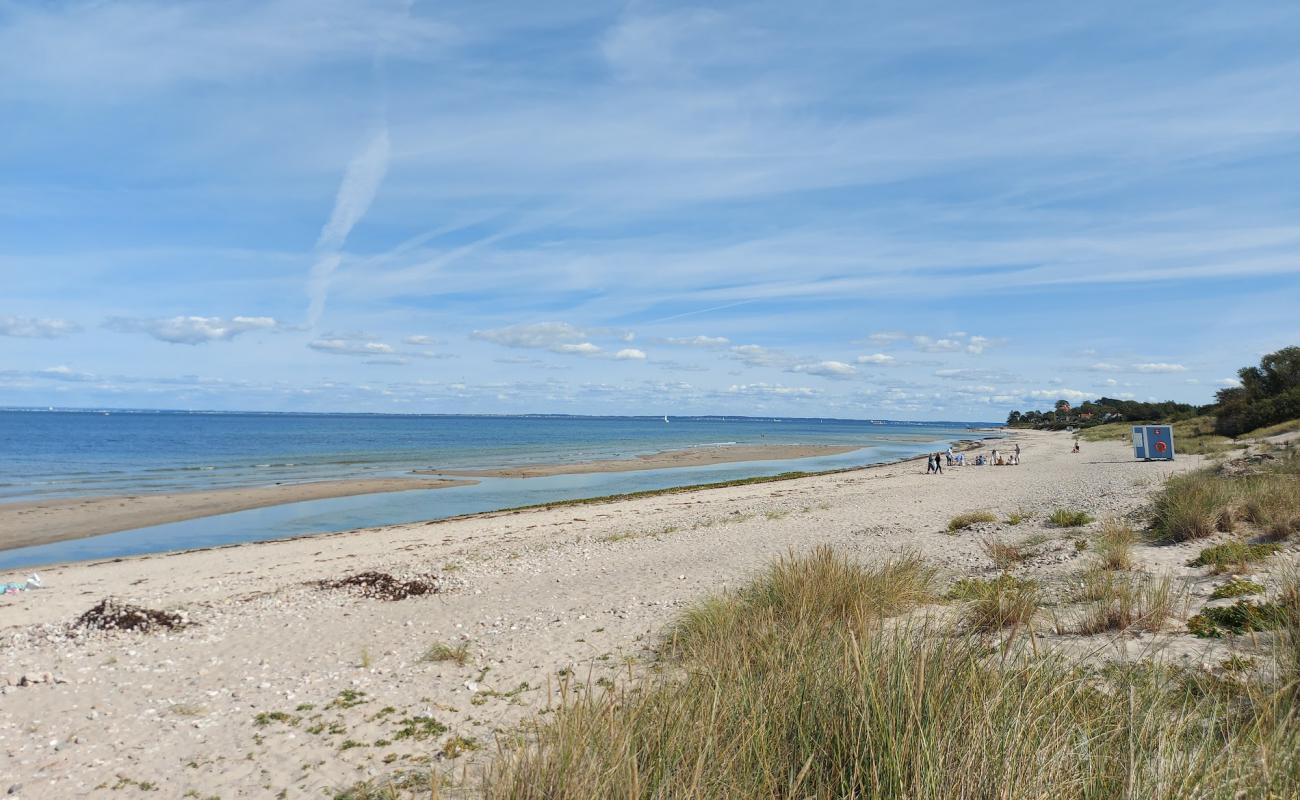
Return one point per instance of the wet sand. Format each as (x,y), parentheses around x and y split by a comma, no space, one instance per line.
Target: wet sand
(694,457)
(45,521)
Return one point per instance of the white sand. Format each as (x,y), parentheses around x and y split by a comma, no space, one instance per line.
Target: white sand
(578,588)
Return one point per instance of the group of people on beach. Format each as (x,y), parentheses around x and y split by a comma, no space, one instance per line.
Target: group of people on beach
(935,461)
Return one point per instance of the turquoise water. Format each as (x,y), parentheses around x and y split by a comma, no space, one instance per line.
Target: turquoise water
(52,454)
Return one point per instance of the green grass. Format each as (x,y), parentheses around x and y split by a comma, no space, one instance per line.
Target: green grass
(440,652)
(1198,504)
(1193,436)
(1237,587)
(1122,602)
(787,688)
(1115,546)
(1232,555)
(798,590)
(972,588)
(963,521)
(1069,518)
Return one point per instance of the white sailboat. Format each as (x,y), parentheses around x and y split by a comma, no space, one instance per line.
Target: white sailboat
(665,419)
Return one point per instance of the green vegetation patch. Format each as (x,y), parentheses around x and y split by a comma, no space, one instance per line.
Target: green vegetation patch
(439,652)
(786,688)
(971,588)
(419,728)
(963,521)
(1231,554)
(1070,518)
(1240,617)
(1237,587)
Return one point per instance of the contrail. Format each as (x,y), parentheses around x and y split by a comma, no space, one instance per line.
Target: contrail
(356,192)
(701,311)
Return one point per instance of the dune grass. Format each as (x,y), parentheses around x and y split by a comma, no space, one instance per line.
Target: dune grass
(1114,546)
(1069,518)
(1199,504)
(789,689)
(963,521)
(1120,602)
(439,652)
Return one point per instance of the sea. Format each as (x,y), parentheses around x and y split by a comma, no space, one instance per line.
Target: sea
(60,453)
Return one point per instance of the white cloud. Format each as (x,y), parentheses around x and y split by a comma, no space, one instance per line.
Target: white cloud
(1111,382)
(630,354)
(758,356)
(557,337)
(1058,394)
(351,346)
(774,390)
(421,341)
(886,337)
(1102,366)
(876,358)
(826,369)
(1228,383)
(1159,368)
(698,341)
(36,328)
(192,330)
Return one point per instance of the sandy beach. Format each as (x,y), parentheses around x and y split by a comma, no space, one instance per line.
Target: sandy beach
(694,457)
(278,685)
(44,521)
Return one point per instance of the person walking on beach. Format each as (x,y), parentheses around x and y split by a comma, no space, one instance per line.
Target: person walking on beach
(929,463)
(1017,452)
(938,463)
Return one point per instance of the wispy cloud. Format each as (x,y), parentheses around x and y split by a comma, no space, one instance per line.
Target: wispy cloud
(192,330)
(36,328)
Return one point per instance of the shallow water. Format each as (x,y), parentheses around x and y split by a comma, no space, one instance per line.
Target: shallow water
(62,454)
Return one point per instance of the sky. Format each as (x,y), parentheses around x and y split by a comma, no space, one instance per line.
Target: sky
(920,210)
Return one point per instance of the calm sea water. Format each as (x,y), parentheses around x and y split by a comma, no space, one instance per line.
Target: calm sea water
(53,454)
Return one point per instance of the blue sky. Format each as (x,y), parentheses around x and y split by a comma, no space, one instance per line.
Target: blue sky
(902,210)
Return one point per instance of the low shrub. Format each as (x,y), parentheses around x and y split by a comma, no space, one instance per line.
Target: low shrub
(963,521)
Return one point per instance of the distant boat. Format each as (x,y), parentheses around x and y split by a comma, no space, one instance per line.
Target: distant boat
(665,418)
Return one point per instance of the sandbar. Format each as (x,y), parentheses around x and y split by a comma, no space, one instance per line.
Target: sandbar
(693,457)
(37,522)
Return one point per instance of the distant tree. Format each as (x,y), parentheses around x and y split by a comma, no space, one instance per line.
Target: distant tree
(1062,406)
(1269,393)
(1014,418)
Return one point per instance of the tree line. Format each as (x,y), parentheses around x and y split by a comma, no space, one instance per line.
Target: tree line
(1268,394)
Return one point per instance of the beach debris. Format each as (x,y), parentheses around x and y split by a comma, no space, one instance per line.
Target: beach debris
(113,615)
(382,586)
(33,582)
